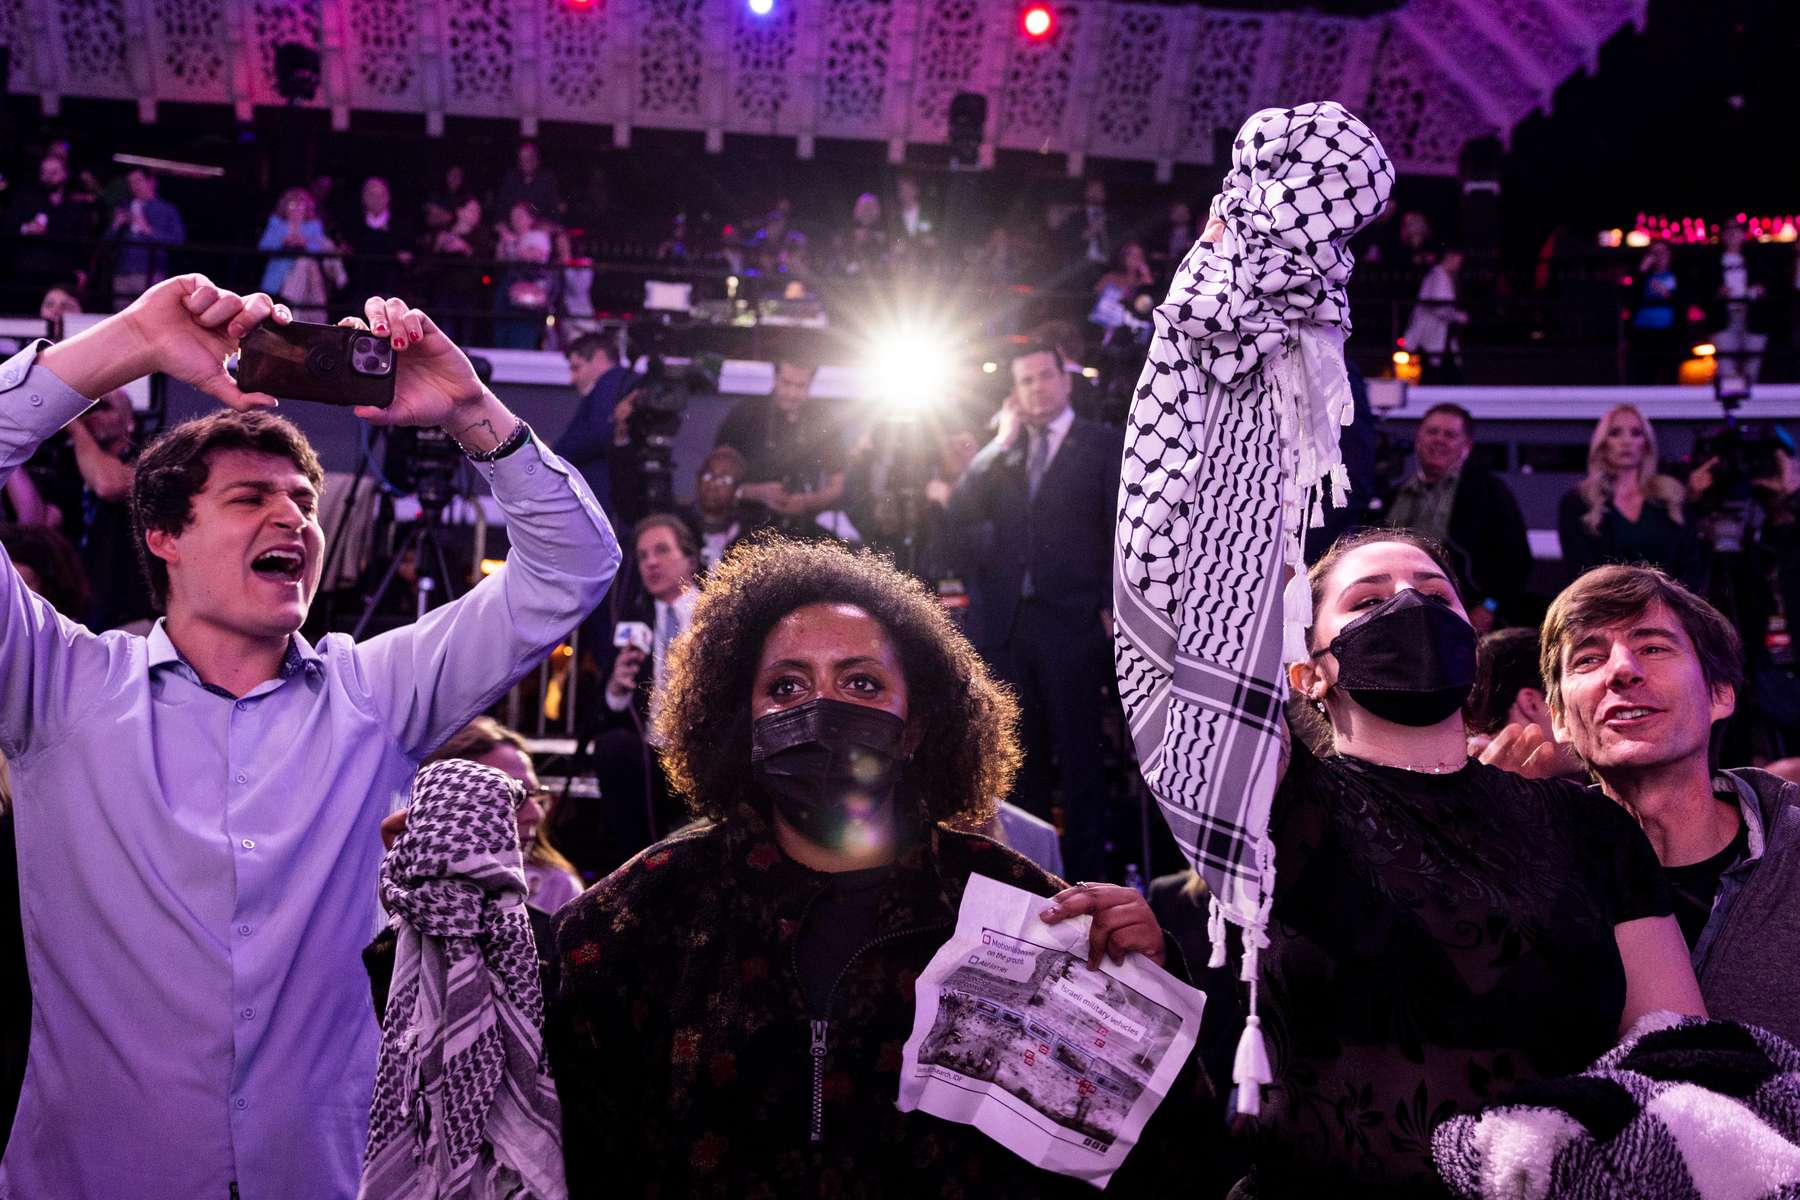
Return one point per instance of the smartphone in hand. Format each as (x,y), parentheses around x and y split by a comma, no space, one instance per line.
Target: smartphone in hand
(330,364)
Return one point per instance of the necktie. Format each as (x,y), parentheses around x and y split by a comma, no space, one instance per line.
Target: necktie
(1038,460)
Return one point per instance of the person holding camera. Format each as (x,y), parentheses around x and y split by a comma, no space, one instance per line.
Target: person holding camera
(601,426)
(793,449)
(197,810)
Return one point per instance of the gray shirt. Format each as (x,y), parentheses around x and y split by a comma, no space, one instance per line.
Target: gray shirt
(1748,955)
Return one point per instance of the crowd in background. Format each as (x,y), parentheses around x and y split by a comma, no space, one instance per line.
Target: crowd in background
(512,258)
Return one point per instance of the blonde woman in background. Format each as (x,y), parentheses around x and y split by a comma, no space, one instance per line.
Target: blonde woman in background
(1624,511)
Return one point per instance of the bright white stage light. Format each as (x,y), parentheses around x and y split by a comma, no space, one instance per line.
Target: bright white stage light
(909,368)
(762,8)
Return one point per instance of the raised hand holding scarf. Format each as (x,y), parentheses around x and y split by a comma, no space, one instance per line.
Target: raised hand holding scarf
(1232,430)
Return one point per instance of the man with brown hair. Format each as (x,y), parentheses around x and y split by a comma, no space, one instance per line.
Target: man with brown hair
(1638,671)
(197,811)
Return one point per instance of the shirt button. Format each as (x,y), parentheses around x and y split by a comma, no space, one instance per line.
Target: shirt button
(248,1013)
(242,778)
(37,401)
(530,468)
(241,1103)
(241,706)
(244,930)
(249,843)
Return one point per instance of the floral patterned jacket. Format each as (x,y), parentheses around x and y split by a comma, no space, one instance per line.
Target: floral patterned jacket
(685,1055)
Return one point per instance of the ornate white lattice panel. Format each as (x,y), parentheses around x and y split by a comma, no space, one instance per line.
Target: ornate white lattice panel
(187,48)
(1039,82)
(762,63)
(947,60)
(1605,17)
(275,22)
(93,39)
(573,58)
(671,62)
(12,34)
(1118,78)
(1447,37)
(857,41)
(382,47)
(1318,51)
(1532,27)
(1126,120)
(1421,121)
(1219,91)
(480,52)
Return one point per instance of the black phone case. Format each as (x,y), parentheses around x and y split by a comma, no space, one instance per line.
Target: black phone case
(304,361)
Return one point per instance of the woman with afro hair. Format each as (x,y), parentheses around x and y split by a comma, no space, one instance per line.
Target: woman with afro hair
(736,997)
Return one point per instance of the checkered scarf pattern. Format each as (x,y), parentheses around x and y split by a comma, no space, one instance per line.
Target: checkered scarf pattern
(1682,1107)
(1233,429)
(464,1105)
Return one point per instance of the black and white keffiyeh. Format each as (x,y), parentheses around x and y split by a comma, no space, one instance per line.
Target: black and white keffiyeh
(1233,428)
(1683,1107)
(464,1105)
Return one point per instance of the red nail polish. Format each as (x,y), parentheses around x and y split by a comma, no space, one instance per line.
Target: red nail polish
(381,329)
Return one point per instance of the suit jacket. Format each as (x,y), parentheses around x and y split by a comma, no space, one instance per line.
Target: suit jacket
(587,443)
(1064,537)
(1487,535)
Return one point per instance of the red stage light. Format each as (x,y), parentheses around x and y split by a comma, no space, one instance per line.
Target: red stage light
(1037,22)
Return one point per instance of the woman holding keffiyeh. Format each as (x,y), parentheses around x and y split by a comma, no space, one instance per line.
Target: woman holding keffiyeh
(1420,932)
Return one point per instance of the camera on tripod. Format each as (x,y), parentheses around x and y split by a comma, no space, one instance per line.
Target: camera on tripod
(1745,453)
(423,460)
(658,404)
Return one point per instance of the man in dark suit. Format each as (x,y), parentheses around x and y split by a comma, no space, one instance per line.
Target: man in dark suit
(1472,512)
(599,431)
(1047,484)
(380,242)
(636,805)
(1086,235)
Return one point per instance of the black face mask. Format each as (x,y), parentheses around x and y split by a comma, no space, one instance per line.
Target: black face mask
(1410,659)
(827,766)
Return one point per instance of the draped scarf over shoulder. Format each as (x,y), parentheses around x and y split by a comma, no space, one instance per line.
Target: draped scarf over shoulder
(1233,429)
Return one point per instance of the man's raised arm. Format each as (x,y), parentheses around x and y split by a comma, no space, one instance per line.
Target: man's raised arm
(430,678)
(185,327)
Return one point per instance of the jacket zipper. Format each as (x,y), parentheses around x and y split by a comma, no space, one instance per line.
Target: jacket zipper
(821,1027)
(821,1030)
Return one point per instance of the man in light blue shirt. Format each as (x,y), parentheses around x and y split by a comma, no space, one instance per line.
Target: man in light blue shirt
(197,811)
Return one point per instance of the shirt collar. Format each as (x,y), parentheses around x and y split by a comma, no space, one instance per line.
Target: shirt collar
(1450,479)
(1058,428)
(1749,807)
(300,656)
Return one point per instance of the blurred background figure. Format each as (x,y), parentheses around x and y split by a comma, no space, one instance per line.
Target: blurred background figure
(549,877)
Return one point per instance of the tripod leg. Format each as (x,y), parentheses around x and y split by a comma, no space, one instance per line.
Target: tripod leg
(445,580)
(387,581)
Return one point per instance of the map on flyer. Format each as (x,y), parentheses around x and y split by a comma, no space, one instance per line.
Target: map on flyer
(1015,1035)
